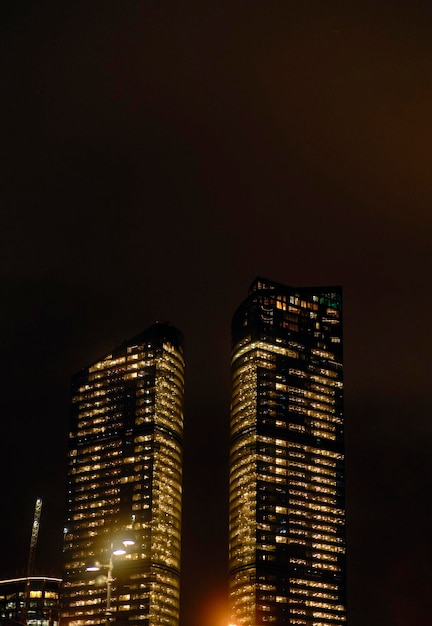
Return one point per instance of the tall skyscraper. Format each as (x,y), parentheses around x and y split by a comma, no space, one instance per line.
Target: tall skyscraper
(125,477)
(287,511)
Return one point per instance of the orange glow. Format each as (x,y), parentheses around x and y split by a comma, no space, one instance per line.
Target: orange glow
(215,612)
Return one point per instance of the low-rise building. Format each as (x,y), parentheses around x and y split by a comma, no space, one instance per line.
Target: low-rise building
(33,600)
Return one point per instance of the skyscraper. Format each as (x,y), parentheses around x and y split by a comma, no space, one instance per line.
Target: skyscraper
(287,511)
(125,476)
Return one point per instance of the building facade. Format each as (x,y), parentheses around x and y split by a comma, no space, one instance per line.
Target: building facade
(125,476)
(35,597)
(286,508)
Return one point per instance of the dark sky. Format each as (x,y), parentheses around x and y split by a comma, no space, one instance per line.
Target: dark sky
(155,158)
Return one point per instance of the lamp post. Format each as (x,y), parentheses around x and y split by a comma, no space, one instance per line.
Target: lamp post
(117,548)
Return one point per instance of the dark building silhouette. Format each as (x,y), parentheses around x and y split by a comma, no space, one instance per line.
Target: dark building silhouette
(125,480)
(287,511)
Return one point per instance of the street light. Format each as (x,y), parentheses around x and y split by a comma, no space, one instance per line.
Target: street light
(117,548)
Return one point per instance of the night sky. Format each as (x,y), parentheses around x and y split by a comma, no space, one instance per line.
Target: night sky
(155,158)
